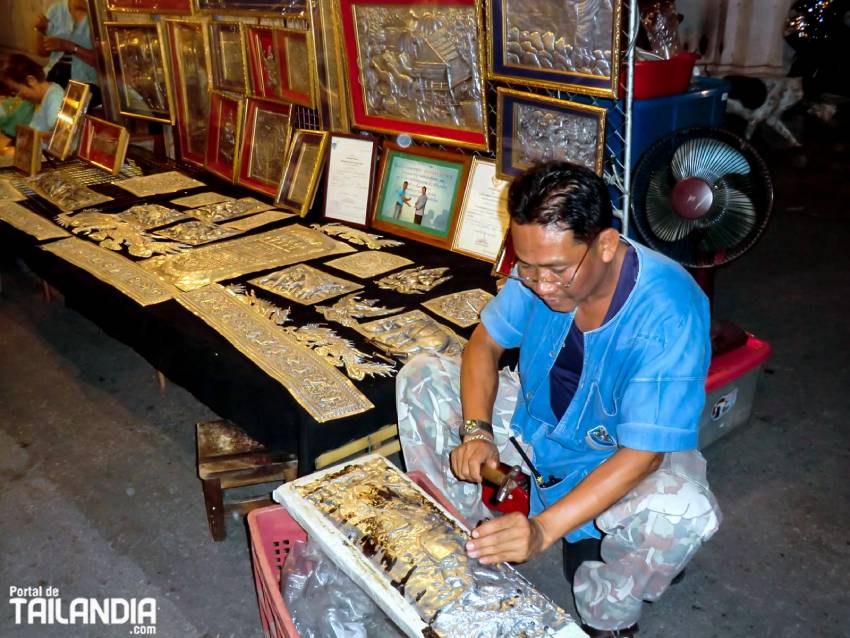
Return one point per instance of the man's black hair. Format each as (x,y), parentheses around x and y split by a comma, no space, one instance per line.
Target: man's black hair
(564,195)
(18,67)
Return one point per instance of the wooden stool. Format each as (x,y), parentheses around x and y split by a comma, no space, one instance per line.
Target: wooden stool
(228,458)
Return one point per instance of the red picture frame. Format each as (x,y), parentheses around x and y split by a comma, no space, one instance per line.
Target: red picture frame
(365,62)
(225,129)
(280,64)
(262,146)
(103,144)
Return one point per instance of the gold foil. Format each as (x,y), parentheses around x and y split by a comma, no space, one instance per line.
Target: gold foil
(304,284)
(351,307)
(229,259)
(196,232)
(260,219)
(229,209)
(149,216)
(368,264)
(411,333)
(158,183)
(399,542)
(414,281)
(64,192)
(359,237)
(115,270)
(29,222)
(461,308)
(201,199)
(114,233)
(318,387)
(9,193)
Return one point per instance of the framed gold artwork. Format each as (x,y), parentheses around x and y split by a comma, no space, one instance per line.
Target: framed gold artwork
(190,72)
(71,113)
(265,138)
(302,170)
(225,126)
(103,144)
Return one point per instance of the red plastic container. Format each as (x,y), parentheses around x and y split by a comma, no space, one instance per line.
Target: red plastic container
(657,78)
(273,531)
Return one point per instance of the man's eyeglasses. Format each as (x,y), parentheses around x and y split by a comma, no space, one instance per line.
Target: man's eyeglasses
(530,275)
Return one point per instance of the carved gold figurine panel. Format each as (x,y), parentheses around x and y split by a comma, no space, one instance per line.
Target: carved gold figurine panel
(114,233)
(350,308)
(201,199)
(64,192)
(323,391)
(461,308)
(196,232)
(29,222)
(412,333)
(368,264)
(359,237)
(260,219)
(305,284)
(222,211)
(414,281)
(149,216)
(237,257)
(115,270)
(158,183)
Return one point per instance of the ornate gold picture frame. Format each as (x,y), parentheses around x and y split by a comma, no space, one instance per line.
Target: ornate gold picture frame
(225,128)
(572,45)
(67,128)
(303,168)
(187,41)
(27,150)
(227,56)
(531,129)
(280,64)
(141,73)
(265,139)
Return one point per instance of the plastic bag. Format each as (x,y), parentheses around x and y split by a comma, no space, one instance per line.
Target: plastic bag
(325,603)
(660,20)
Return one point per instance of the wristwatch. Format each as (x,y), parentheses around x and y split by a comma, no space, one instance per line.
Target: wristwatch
(474,426)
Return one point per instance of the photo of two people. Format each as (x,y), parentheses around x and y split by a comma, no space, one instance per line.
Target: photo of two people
(403,199)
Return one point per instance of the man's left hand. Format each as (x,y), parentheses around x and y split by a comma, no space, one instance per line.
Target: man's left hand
(512,538)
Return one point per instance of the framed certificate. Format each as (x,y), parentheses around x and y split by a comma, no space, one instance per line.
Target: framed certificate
(265,138)
(484,218)
(350,183)
(71,113)
(420,193)
(190,73)
(141,74)
(280,64)
(227,56)
(531,129)
(27,150)
(571,45)
(415,67)
(103,144)
(302,170)
(225,126)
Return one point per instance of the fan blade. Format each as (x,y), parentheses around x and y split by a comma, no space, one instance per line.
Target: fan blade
(734,219)
(707,159)
(664,223)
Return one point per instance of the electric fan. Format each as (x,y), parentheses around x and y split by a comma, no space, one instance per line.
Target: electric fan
(703,197)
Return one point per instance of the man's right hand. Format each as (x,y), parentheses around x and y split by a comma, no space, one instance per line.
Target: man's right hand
(467,459)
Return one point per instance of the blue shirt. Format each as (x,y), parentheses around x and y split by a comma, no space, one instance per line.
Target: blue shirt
(46,113)
(642,385)
(402,195)
(60,24)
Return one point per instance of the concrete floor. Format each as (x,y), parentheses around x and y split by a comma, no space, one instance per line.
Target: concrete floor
(100,499)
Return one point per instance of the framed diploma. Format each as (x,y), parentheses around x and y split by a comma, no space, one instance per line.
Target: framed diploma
(265,138)
(27,150)
(484,219)
(302,169)
(420,193)
(351,172)
(225,126)
(67,128)
(103,144)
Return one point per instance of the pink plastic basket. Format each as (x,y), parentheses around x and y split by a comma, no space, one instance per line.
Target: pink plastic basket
(273,531)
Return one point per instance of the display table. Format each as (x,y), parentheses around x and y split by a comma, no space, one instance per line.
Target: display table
(189,352)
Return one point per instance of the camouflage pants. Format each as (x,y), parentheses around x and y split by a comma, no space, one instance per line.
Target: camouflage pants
(648,536)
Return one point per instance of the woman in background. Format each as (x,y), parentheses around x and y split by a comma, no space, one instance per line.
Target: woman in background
(25,78)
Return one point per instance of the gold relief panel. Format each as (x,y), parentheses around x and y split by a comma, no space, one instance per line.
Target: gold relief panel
(369,263)
(305,284)
(461,308)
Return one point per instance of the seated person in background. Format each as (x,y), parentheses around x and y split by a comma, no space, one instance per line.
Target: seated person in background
(64,32)
(25,78)
(614,347)
(13,111)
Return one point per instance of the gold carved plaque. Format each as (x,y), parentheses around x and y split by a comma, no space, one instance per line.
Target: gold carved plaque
(115,270)
(229,209)
(323,391)
(229,259)
(158,183)
(260,219)
(411,333)
(461,308)
(347,310)
(196,232)
(359,237)
(201,199)
(304,284)
(29,222)
(64,192)
(114,233)
(9,193)
(414,281)
(368,264)
(147,216)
